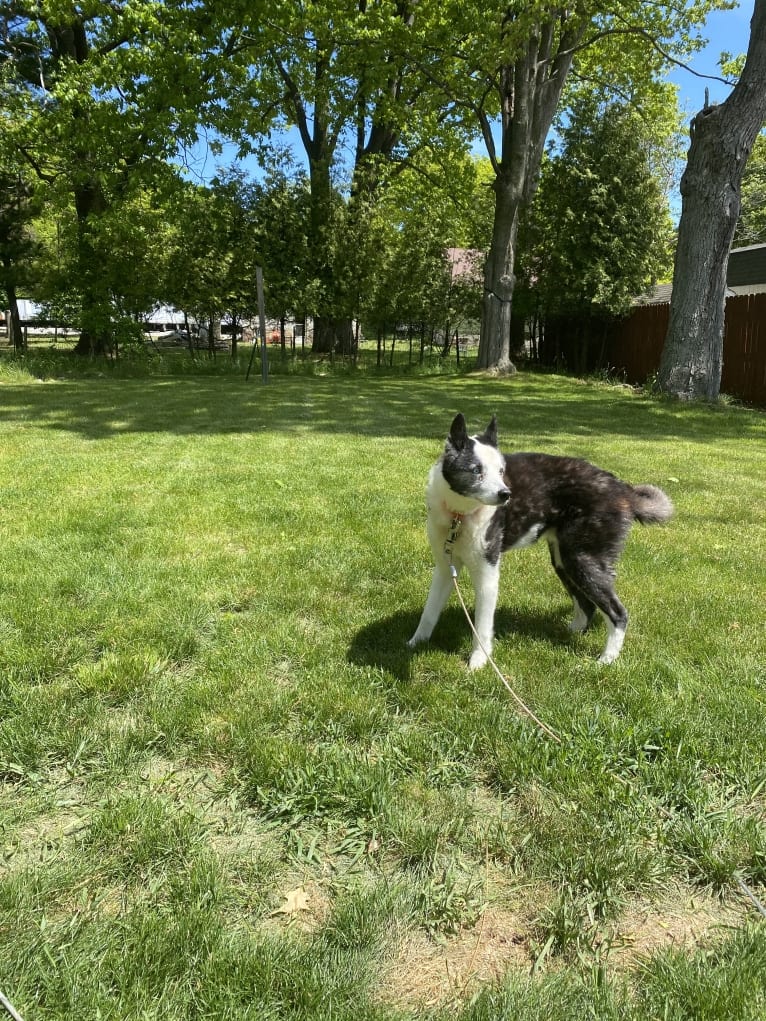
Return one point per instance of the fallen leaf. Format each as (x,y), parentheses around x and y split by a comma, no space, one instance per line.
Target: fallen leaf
(295,901)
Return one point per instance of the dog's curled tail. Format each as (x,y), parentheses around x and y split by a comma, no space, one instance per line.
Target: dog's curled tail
(651,506)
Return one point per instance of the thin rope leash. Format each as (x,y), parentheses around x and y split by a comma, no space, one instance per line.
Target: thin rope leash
(456,525)
(6,1003)
(522,705)
(750,895)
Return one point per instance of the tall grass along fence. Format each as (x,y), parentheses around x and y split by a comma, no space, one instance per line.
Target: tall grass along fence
(637,343)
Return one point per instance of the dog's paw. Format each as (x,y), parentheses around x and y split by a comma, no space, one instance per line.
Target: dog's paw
(613,644)
(607,657)
(414,641)
(477,659)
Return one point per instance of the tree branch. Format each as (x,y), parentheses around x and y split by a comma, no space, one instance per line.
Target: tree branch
(637,30)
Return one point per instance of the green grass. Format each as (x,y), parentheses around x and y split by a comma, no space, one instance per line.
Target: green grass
(228,791)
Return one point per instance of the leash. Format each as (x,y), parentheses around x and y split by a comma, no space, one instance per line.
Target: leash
(452,536)
(6,1003)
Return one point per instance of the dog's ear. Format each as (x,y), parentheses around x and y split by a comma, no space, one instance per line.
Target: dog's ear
(458,433)
(490,433)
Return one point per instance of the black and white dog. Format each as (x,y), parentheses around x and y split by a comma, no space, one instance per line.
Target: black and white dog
(482,502)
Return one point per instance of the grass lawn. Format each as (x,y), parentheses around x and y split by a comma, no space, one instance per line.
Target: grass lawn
(227,791)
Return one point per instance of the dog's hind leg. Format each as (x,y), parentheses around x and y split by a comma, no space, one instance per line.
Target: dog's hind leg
(438,594)
(584,608)
(594,578)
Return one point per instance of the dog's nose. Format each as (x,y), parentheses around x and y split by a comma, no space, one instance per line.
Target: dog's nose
(503,495)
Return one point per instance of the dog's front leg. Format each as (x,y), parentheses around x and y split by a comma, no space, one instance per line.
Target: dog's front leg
(486,581)
(438,594)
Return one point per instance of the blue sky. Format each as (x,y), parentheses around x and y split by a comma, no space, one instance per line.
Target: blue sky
(727,31)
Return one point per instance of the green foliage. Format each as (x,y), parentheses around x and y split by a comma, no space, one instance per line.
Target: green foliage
(411,279)
(212,253)
(751,228)
(516,62)
(101,95)
(279,214)
(18,246)
(383,97)
(599,231)
(603,213)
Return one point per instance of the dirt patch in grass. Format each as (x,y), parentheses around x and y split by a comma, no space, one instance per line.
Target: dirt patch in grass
(425,973)
(231,831)
(683,919)
(41,837)
(41,840)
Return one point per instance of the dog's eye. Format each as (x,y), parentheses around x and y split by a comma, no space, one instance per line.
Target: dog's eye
(477,470)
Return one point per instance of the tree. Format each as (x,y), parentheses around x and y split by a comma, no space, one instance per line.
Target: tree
(599,230)
(212,253)
(404,270)
(18,207)
(101,94)
(348,74)
(516,61)
(722,137)
(280,234)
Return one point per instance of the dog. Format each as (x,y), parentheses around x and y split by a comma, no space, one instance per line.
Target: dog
(482,503)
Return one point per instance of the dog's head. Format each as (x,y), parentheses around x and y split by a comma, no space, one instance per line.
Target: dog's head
(472,466)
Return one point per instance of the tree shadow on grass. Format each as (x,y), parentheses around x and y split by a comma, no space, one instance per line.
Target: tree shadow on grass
(383,642)
(527,406)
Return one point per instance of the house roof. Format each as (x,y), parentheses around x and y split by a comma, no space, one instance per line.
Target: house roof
(747,266)
(659,295)
(746,274)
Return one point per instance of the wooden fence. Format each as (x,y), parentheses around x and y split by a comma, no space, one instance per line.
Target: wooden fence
(636,346)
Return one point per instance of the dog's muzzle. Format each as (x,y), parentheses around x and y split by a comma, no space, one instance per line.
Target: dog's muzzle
(503,495)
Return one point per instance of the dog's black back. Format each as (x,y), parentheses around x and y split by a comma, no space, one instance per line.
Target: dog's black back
(562,493)
(585,513)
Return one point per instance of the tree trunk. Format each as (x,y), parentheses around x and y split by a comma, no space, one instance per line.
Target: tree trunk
(333,335)
(721,140)
(70,41)
(499,280)
(95,325)
(15,334)
(528,91)
(234,328)
(188,334)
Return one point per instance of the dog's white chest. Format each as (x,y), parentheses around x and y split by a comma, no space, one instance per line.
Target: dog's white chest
(459,537)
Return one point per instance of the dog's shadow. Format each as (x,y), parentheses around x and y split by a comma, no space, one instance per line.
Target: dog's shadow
(383,642)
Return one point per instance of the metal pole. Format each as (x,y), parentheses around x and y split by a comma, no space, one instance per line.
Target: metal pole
(262,320)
